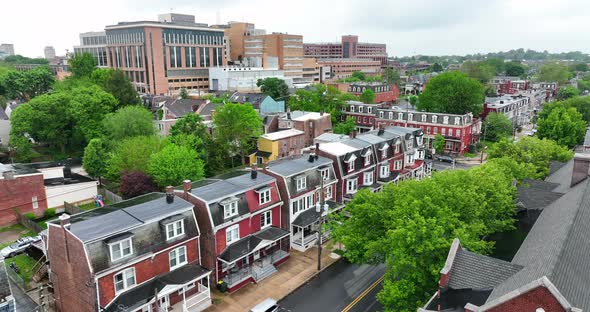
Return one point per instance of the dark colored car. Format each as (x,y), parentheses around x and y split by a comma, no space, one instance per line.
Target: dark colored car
(444,158)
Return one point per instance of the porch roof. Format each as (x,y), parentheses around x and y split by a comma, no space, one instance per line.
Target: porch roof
(251,243)
(144,293)
(310,216)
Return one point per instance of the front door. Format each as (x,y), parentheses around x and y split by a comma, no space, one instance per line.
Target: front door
(164,303)
(256,255)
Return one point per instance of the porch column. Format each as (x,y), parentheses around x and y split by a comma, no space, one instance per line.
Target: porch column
(302,242)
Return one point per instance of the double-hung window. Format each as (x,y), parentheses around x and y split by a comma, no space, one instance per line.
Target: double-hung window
(368,160)
(230,209)
(264,197)
(325,174)
(265,219)
(121,249)
(351,185)
(174,229)
(232,234)
(368,178)
(328,192)
(397,165)
(301,183)
(124,279)
(384,171)
(177,257)
(351,166)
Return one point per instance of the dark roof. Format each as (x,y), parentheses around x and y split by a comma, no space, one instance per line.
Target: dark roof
(231,186)
(4,284)
(182,107)
(75,178)
(142,294)
(263,154)
(474,271)
(557,245)
(250,243)
(306,218)
(392,177)
(554,166)
(208,108)
(108,220)
(287,166)
(535,194)
(18,169)
(252,98)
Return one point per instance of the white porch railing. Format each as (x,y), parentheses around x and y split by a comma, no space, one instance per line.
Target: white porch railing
(306,239)
(198,301)
(278,256)
(235,277)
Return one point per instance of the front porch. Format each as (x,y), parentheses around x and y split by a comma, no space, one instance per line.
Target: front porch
(304,228)
(197,302)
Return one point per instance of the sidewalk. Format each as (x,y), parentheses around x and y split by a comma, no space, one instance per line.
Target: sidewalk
(301,267)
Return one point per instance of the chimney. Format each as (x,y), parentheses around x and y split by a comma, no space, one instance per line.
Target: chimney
(353,134)
(322,112)
(67,171)
(169,194)
(8,175)
(311,158)
(64,220)
(289,115)
(254,172)
(317,150)
(581,168)
(187,186)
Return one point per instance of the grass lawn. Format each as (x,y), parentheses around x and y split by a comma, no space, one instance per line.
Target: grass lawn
(469,155)
(14,227)
(24,263)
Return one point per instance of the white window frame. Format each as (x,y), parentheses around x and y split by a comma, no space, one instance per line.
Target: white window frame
(400,116)
(177,229)
(397,147)
(368,160)
(423,118)
(301,183)
(381,115)
(328,192)
(230,209)
(434,118)
(384,171)
(266,219)
(351,166)
(232,234)
(35,202)
(457,121)
(351,186)
(126,275)
(264,197)
(458,133)
(446,120)
(397,165)
(391,115)
(120,244)
(176,257)
(368,178)
(411,117)
(325,174)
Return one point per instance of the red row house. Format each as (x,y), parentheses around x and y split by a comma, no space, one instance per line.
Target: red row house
(459,131)
(375,158)
(141,254)
(384,93)
(302,182)
(240,219)
(363,114)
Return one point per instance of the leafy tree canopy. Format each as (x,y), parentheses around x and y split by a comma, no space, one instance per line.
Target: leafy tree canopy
(515,68)
(137,183)
(82,65)
(368,96)
(391,76)
(497,126)
(95,158)
(132,155)
(346,127)
(174,164)
(25,85)
(275,88)
(238,125)
(116,83)
(567,92)
(453,93)
(479,71)
(564,125)
(553,72)
(128,122)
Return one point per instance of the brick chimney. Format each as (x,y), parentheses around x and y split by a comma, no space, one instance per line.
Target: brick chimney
(187,186)
(64,220)
(353,134)
(581,168)
(254,172)
(169,194)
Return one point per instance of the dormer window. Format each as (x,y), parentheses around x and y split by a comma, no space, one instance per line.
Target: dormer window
(446,120)
(369,110)
(397,144)
(120,249)
(360,109)
(390,115)
(381,115)
(434,118)
(400,116)
(350,162)
(263,195)
(325,173)
(352,108)
(230,207)
(384,150)
(367,160)
(411,116)
(457,121)
(174,229)
(423,118)
(301,183)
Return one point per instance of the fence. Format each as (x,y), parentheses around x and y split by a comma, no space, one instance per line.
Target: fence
(28,223)
(109,196)
(18,280)
(71,208)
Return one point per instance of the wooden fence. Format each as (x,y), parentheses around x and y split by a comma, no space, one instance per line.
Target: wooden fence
(71,208)
(109,196)
(28,223)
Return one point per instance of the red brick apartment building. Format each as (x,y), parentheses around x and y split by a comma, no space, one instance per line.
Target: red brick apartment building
(349,47)
(384,93)
(344,67)
(21,188)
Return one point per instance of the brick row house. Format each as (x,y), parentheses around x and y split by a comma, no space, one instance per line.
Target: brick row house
(141,254)
(240,220)
(302,182)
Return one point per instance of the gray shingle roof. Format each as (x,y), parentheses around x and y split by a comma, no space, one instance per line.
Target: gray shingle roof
(474,271)
(287,166)
(534,194)
(251,243)
(587,138)
(558,246)
(182,107)
(231,186)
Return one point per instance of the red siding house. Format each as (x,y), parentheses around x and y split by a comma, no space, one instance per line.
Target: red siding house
(240,220)
(141,254)
(21,188)
(384,93)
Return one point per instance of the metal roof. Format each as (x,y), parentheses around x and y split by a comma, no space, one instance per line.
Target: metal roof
(231,186)
(287,166)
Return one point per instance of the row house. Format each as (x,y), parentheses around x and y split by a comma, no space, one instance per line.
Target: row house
(515,107)
(240,219)
(388,149)
(312,124)
(141,254)
(363,114)
(302,182)
(278,144)
(384,93)
(459,131)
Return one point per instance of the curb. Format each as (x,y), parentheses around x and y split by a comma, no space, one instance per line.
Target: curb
(310,278)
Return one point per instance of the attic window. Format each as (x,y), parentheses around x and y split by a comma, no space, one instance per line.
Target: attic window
(301,183)
(230,207)
(174,229)
(120,249)
(263,195)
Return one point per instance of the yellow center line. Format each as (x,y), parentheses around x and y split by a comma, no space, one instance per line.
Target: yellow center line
(363,294)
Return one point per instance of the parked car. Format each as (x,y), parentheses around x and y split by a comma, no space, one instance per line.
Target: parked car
(19,246)
(444,158)
(268,305)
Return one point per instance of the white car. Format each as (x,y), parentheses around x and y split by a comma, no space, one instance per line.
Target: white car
(19,246)
(268,305)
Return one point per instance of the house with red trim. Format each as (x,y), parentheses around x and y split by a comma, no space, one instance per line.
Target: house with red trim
(141,254)
(389,154)
(549,272)
(242,237)
(302,181)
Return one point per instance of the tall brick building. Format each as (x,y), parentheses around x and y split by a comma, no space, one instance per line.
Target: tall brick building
(276,50)
(349,47)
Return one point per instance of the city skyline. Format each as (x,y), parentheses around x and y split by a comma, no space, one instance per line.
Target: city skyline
(421,27)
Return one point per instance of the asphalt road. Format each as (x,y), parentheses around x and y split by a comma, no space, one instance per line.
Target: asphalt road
(336,288)
(440,165)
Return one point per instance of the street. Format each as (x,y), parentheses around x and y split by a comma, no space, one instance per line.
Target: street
(441,165)
(341,287)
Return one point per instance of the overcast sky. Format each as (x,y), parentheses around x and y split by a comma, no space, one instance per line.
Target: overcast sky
(427,27)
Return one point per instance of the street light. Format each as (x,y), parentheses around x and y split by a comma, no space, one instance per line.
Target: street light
(318,209)
(481,157)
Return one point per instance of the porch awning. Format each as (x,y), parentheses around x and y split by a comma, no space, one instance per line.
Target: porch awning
(306,218)
(252,243)
(146,292)
(393,175)
(263,154)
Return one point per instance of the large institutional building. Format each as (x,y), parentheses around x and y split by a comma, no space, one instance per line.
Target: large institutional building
(349,47)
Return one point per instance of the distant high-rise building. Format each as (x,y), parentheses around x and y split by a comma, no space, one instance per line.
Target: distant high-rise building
(6,49)
(165,56)
(49,52)
(276,50)
(236,33)
(349,47)
(94,43)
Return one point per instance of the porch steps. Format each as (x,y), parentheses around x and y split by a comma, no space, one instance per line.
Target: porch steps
(261,273)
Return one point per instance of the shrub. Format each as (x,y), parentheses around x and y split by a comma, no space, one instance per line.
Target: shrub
(49,213)
(30,216)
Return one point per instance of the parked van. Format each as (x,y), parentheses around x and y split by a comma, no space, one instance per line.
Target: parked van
(268,305)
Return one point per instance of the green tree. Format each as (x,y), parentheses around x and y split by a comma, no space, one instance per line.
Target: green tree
(368,96)
(439,144)
(183,94)
(478,70)
(497,126)
(567,92)
(275,88)
(87,107)
(437,68)
(238,125)
(553,72)
(359,75)
(391,76)
(515,69)
(82,65)
(564,125)
(497,64)
(95,158)
(579,67)
(584,84)
(530,151)
(453,93)
(174,164)
(345,127)
(128,122)
(28,84)
(116,83)
(132,155)
(320,97)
